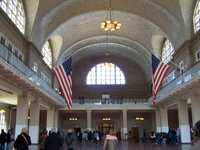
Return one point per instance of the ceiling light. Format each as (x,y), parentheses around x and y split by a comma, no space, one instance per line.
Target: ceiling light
(109,24)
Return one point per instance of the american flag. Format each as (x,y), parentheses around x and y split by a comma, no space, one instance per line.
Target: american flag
(63,74)
(159,70)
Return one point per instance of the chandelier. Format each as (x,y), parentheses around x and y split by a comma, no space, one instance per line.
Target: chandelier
(109,24)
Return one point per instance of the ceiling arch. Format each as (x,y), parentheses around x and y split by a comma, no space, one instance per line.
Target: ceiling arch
(153,11)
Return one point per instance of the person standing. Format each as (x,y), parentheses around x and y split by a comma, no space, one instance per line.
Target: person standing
(197,137)
(111,141)
(2,140)
(69,140)
(53,141)
(23,140)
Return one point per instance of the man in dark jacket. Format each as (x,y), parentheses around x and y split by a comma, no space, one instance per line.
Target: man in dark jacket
(69,140)
(53,141)
(23,140)
(2,140)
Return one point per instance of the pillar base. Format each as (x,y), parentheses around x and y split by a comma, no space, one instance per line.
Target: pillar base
(185,131)
(33,131)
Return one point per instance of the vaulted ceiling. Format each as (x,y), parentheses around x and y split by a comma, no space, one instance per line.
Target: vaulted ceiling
(73,26)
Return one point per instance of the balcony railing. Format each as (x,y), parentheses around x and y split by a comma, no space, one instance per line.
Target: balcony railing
(180,81)
(110,101)
(8,57)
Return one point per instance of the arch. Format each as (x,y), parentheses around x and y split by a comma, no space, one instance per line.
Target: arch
(105,74)
(15,11)
(47,54)
(168,23)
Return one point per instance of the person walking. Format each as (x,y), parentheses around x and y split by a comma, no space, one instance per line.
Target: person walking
(23,140)
(111,141)
(2,140)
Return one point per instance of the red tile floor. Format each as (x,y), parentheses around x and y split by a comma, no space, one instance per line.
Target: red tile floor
(129,146)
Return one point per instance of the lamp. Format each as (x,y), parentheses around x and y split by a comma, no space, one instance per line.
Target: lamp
(109,24)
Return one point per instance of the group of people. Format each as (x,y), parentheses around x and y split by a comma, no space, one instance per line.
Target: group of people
(59,140)
(6,139)
(172,137)
(8,142)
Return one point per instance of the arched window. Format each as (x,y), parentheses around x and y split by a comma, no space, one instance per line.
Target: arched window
(167,51)
(105,74)
(196,17)
(47,54)
(15,11)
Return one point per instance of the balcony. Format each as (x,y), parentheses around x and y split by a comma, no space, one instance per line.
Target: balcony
(111,104)
(183,81)
(12,64)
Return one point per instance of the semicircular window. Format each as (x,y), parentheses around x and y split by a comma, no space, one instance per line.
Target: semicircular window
(105,74)
(167,51)
(15,11)
(196,17)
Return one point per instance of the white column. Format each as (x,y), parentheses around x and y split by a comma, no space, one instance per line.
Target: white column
(34,122)
(125,128)
(52,119)
(184,121)
(56,118)
(195,100)
(89,119)
(158,121)
(164,119)
(22,114)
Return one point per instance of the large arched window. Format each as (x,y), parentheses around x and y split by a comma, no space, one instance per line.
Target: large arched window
(15,11)
(105,74)
(167,51)
(47,54)
(196,17)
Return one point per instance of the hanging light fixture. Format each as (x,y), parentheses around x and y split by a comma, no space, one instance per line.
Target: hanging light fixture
(109,24)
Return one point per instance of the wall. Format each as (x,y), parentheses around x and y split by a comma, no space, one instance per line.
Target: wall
(31,54)
(135,87)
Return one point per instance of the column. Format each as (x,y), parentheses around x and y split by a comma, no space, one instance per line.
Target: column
(158,121)
(56,116)
(164,119)
(34,122)
(22,114)
(89,119)
(124,129)
(195,100)
(184,121)
(50,119)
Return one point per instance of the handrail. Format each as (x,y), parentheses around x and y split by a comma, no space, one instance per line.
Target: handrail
(179,80)
(32,76)
(109,101)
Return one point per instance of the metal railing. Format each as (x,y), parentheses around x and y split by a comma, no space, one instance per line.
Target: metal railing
(110,101)
(181,80)
(8,57)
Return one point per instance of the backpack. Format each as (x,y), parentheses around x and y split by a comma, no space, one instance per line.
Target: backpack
(69,139)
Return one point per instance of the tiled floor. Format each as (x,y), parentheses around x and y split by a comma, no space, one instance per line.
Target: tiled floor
(128,146)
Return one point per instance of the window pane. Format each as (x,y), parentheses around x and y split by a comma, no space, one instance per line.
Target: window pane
(15,10)
(105,74)
(47,54)
(167,51)
(196,17)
